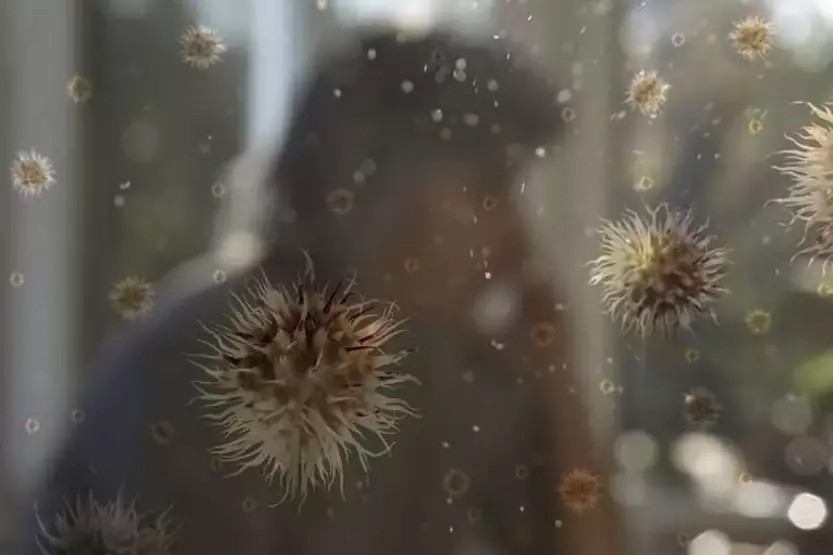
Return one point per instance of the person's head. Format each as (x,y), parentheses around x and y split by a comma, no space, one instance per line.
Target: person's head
(405,152)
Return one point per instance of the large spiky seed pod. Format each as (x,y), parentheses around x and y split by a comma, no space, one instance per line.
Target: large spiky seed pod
(114,528)
(810,196)
(301,379)
(660,272)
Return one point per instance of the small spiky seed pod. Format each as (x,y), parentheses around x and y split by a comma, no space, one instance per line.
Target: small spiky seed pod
(31,173)
(752,38)
(647,92)
(132,297)
(113,528)
(298,380)
(810,196)
(580,489)
(700,408)
(658,273)
(202,47)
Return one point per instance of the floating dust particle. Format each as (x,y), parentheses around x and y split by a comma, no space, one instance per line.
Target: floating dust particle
(607,387)
(755,126)
(219,276)
(436,115)
(825,291)
(644,183)
(456,482)
(568,114)
(77,416)
(340,201)
(118,201)
(248,505)
(459,75)
(407,86)
(32,426)
(218,190)
(691,355)
(162,432)
(758,322)
(16,279)
(468,376)
(521,472)
(411,265)
(542,334)
(492,85)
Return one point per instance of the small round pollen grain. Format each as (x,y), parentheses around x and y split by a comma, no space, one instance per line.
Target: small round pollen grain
(489,203)
(79,89)
(16,279)
(219,276)
(32,426)
(691,355)
(456,482)
(758,322)
(218,190)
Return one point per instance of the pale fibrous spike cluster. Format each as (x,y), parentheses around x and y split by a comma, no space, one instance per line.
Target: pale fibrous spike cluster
(115,528)
(647,92)
(810,196)
(658,273)
(300,379)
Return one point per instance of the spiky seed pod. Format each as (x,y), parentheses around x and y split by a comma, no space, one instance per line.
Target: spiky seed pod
(580,489)
(31,173)
(647,92)
(810,196)
(114,528)
(700,408)
(660,272)
(132,297)
(752,38)
(202,47)
(300,380)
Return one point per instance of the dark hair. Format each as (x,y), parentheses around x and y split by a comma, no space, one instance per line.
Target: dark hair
(380,98)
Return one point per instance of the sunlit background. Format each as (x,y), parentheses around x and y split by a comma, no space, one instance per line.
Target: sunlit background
(136,168)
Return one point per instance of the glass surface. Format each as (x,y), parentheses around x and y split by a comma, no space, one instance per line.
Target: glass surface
(416,276)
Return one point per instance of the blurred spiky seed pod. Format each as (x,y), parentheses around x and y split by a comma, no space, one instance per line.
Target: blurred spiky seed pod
(810,196)
(299,379)
(658,273)
(114,528)
(580,489)
(700,408)
(752,38)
